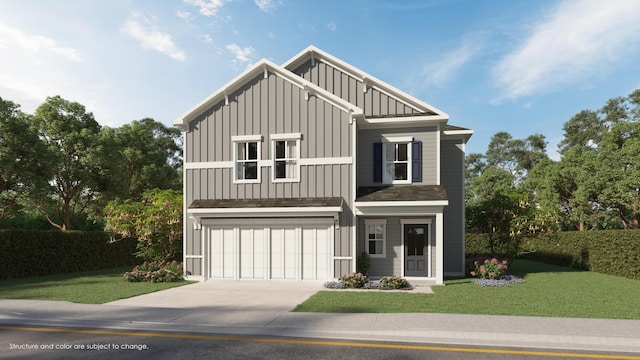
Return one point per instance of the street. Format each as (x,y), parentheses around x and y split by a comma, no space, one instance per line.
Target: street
(22,342)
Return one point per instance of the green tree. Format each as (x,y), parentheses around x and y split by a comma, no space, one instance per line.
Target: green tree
(151,156)
(80,162)
(156,221)
(22,157)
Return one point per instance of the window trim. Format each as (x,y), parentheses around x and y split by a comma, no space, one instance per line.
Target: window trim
(245,139)
(386,141)
(376,222)
(285,137)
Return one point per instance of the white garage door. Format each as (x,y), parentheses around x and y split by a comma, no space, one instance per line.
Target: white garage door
(276,252)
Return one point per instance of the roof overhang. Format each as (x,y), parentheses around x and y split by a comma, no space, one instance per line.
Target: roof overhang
(400,208)
(264,67)
(261,208)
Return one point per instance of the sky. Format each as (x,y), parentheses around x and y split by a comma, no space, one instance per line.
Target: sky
(521,66)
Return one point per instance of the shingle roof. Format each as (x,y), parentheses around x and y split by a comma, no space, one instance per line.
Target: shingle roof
(402,193)
(266,203)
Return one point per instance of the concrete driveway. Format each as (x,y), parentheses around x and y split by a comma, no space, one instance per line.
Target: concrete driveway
(229,296)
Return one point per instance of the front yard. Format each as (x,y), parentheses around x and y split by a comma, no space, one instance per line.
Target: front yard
(94,287)
(548,290)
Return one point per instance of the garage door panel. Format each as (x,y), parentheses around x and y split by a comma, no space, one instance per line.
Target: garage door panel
(315,253)
(252,265)
(222,253)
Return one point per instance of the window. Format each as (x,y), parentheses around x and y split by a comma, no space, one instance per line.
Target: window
(397,160)
(246,158)
(376,237)
(286,153)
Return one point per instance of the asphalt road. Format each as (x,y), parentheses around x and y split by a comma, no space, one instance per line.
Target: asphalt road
(21,342)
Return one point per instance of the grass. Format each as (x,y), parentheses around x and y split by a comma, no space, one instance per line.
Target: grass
(548,290)
(93,287)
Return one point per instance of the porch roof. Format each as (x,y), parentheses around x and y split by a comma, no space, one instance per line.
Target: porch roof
(402,193)
(333,202)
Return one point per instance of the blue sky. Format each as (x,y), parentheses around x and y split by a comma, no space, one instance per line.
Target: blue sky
(510,65)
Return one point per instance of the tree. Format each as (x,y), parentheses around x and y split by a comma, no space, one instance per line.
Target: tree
(156,221)
(79,165)
(22,156)
(151,156)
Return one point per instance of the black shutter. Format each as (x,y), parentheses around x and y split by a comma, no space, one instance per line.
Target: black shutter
(377,162)
(416,161)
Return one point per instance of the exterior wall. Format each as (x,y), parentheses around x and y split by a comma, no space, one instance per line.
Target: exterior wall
(429,138)
(452,167)
(392,264)
(265,107)
(373,102)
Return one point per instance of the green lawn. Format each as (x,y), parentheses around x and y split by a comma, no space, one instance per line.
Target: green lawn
(94,287)
(548,291)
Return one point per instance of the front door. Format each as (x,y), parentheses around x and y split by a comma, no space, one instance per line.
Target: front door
(416,250)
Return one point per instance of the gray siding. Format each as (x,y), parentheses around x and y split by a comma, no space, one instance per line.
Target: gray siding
(452,167)
(373,102)
(391,264)
(264,107)
(429,138)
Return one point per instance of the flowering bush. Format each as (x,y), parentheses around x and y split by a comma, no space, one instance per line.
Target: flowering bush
(333,285)
(493,268)
(156,271)
(394,282)
(355,280)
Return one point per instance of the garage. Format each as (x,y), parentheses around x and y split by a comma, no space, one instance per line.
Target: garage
(271,251)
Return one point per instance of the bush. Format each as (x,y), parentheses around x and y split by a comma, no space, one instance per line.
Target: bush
(363,263)
(612,252)
(394,282)
(355,280)
(489,268)
(156,271)
(38,253)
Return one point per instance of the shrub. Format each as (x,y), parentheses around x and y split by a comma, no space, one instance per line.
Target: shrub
(355,280)
(333,285)
(505,281)
(363,263)
(493,268)
(394,282)
(156,271)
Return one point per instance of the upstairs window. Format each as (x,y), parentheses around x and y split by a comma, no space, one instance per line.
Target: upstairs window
(397,160)
(286,156)
(246,158)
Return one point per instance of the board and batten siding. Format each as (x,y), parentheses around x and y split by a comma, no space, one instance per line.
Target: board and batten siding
(373,102)
(452,173)
(429,138)
(268,106)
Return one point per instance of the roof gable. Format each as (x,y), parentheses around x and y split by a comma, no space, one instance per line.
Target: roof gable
(366,79)
(265,67)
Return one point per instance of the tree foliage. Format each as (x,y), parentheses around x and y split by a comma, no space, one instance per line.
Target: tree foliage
(156,221)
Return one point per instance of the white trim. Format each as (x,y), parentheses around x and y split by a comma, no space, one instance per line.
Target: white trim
(347,160)
(376,222)
(438,147)
(440,249)
(397,210)
(354,192)
(396,139)
(246,138)
(290,136)
(267,211)
(185,219)
(371,204)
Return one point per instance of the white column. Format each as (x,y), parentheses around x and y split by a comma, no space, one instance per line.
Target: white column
(439,249)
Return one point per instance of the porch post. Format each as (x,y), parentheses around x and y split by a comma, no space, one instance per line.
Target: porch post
(439,249)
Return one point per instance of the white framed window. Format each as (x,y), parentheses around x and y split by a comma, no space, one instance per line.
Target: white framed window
(376,237)
(246,158)
(396,160)
(285,152)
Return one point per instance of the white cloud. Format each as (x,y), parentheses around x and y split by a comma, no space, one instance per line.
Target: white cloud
(241,55)
(271,35)
(149,37)
(440,72)
(577,40)
(331,26)
(268,6)
(12,38)
(207,8)
(183,14)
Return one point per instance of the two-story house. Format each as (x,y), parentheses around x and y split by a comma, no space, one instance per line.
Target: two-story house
(291,172)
